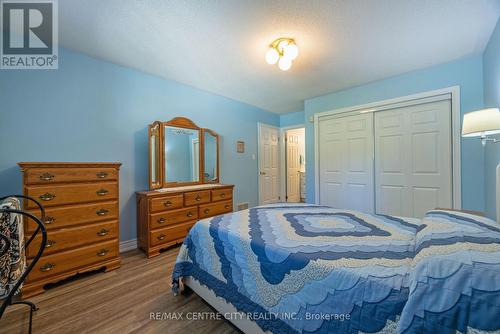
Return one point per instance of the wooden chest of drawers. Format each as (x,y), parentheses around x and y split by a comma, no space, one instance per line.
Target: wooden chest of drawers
(165,216)
(82,220)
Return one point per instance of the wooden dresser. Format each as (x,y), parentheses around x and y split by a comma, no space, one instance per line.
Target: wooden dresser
(82,219)
(165,216)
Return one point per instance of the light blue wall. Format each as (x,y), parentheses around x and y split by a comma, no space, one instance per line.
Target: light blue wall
(467,73)
(92,110)
(291,119)
(491,73)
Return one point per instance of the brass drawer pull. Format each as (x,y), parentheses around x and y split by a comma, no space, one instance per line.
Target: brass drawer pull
(49,220)
(102,212)
(161,237)
(102,192)
(47,267)
(102,232)
(50,243)
(47,197)
(161,220)
(198,198)
(189,214)
(223,195)
(102,252)
(227,206)
(206,211)
(101,175)
(46,177)
(167,203)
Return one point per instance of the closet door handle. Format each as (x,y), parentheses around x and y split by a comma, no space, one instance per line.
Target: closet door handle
(46,177)
(47,197)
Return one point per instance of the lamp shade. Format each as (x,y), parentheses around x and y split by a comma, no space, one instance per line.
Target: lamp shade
(481,123)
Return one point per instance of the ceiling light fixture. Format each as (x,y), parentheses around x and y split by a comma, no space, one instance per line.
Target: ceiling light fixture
(282,51)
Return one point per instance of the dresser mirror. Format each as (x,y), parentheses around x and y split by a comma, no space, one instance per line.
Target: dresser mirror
(181,153)
(211,156)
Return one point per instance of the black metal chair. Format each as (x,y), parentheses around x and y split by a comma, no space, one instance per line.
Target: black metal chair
(40,229)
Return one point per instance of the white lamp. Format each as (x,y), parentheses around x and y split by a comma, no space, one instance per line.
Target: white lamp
(482,123)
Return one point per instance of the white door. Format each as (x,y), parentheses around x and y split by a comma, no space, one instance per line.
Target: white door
(346,162)
(268,164)
(293,144)
(413,155)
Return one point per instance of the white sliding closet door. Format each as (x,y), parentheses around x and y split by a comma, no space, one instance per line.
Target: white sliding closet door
(346,162)
(413,159)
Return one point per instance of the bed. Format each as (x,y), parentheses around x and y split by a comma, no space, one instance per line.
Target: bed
(301,268)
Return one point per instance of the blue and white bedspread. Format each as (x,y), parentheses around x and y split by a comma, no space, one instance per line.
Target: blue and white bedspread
(312,269)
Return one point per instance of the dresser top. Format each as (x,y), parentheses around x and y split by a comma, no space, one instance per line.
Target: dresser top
(68,164)
(195,187)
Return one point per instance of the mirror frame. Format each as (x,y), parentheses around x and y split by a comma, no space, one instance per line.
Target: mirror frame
(155,129)
(213,133)
(181,122)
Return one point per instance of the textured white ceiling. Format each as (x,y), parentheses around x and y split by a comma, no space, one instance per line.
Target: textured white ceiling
(219,46)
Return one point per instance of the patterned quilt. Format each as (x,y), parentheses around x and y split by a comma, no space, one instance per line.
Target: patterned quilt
(313,269)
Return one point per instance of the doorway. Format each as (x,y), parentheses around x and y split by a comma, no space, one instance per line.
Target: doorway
(295,152)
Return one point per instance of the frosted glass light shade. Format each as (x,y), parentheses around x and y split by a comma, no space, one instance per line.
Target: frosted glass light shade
(483,122)
(284,64)
(272,56)
(291,51)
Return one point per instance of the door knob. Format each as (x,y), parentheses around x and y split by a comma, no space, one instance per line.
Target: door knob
(262,173)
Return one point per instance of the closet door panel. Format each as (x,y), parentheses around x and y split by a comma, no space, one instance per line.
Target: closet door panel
(346,162)
(413,155)
(391,163)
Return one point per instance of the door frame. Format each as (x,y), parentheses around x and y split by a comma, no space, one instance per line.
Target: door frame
(282,156)
(399,102)
(259,126)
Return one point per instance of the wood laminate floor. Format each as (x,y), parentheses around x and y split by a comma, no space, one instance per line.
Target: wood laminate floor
(119,301)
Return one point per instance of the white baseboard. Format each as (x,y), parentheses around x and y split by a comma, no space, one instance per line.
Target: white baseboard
(128,245)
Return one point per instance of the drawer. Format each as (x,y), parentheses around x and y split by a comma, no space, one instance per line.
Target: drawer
(173,217)
(222,194)
(72,193)
(67,238)
(197,197)
(54,175)
(214,209)
(166,203)
(67,216)
(69,260)
(171,233)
